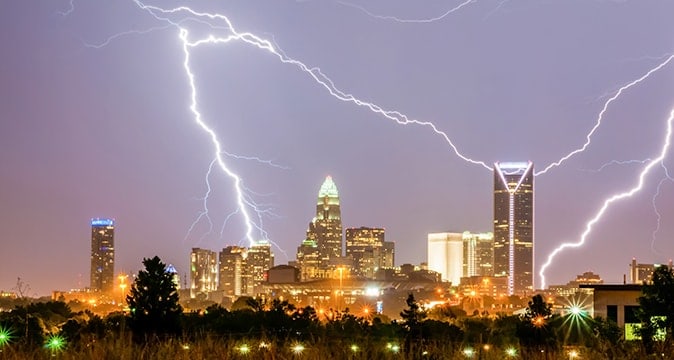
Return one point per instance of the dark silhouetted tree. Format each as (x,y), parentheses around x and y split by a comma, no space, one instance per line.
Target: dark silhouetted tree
(412,317)
(656,311)
(153,301)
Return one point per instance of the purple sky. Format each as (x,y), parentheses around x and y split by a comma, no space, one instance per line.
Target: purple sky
(107,132)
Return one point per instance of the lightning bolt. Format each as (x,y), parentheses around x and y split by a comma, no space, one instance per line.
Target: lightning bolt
(107,41)
(607,203)
(70,9)
(245,204)
(400,20)
(204,211)
(654,234)
(257,159)
(600,117)
(617,162)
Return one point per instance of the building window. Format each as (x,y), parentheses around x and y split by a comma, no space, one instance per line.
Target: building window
(631,314)
(612,312)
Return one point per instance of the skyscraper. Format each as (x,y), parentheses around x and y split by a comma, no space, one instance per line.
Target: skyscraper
(233,271)
(368,250)
(203,271)
(259,260)
(514,225)
(445,255)
(328,222)
(102,255)
(321,252)
(478,254)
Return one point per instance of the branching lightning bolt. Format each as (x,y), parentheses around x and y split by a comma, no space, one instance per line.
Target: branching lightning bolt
(400,20)
(607,203)
(617,162)
(257,159)
(244,203)
(667,177)
(204,212)
(588,137)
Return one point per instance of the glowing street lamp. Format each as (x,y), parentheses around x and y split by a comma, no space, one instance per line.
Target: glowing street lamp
(55,343)
(573,354)
(244,349)
(511,352)
(468,352)
(5,336)
(297,349)
(354,348)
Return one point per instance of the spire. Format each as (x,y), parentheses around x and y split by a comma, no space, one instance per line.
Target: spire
(328,189)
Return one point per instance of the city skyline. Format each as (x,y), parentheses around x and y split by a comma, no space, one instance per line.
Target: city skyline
(89,130)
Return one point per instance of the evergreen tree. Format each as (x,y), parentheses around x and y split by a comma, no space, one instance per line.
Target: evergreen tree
(153,301)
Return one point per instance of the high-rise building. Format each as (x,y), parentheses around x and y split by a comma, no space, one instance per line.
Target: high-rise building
(368,251)
(514,225)
(102,255)
(642,273)
(445,255)
(478,254)
(258,261)
(308,259)
(324,236)
(203,271)
(328,222)
(233,276)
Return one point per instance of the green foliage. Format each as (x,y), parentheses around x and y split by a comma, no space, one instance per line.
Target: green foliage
(656,312)
(153,301)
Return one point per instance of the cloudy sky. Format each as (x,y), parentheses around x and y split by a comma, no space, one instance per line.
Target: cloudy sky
(95,121)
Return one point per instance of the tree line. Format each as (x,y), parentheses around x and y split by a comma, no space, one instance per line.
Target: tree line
(275,328)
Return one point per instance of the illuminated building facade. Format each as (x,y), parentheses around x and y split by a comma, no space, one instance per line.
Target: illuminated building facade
(258,261)
(324,236)
(328,223)
(308,258)
(445,255)
(203,271)
(514,225)
(478,254)
(102,255)
(232,274)
(368,251)
(642,273)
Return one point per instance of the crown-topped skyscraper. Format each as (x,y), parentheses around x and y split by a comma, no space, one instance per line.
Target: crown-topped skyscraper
(514,225)
(320,252)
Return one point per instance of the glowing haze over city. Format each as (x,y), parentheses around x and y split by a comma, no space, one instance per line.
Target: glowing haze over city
(114,110)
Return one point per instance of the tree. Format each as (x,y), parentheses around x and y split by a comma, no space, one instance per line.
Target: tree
(412,317)
(656,312)
(538,309)
(537,326)
(153,301)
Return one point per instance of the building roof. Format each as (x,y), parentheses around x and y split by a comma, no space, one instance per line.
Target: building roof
(612,287)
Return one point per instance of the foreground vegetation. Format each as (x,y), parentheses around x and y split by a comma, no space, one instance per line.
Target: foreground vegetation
(157,328)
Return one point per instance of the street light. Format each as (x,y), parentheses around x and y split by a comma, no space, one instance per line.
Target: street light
(122,285)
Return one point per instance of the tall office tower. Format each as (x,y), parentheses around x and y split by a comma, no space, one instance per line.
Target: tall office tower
(309,258)
(365,247)
(259,260)
(203,271)
(102,255)
(232,279)
(388,255)
(445,255)
(514,225)
(478,254)
(328,223)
